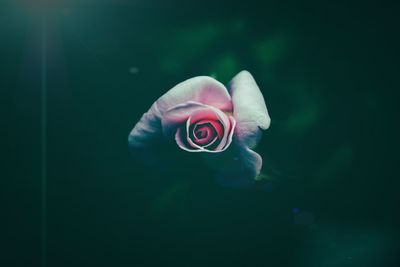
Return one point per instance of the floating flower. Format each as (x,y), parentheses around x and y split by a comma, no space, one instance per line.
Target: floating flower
(203,116)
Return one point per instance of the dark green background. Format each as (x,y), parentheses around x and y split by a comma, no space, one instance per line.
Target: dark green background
(327,71)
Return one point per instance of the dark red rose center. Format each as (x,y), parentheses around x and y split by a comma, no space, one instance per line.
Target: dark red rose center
(203,131)
(206,132)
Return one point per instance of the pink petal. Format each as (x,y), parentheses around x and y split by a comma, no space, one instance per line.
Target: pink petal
(197,112)
(211,114)
(182,142)
(226,123)
(190,146)
(219,128)
(231,130)
(176,115)
(202,89)
(179,114)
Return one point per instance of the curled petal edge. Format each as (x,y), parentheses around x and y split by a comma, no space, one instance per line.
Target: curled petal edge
(201,89)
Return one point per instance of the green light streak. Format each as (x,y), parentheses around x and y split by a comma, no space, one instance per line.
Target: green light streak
(44,140)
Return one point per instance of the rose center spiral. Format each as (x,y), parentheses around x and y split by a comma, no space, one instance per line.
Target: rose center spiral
(203,133)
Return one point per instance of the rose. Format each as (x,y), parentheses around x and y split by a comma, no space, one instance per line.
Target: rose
(203,116)
(200,127)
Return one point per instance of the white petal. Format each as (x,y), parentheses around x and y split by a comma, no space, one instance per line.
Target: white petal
(249,109)
(202,89)
(251,114)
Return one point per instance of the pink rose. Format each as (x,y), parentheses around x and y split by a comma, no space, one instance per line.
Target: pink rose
(203,116)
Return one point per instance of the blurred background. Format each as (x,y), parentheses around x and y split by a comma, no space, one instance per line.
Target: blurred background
(77,75)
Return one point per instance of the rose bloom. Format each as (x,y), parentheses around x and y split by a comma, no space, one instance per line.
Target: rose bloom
(205,117)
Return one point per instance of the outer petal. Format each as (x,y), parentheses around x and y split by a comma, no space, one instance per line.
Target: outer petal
(202,89)
(181,140)
(250,111)
(251,114)
(237,167)
(147,129)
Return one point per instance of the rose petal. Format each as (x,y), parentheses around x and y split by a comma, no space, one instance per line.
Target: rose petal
(237,167)
(202,89)
(209,145)
(178,114)
(204,132)
(219,128)
(251,114)
(147,129)
(231,130)
(226,123)
(193,147)
(175,116)
(250,111)
(212,113)
(180,138)
(245,169)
